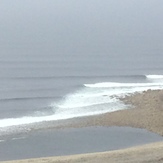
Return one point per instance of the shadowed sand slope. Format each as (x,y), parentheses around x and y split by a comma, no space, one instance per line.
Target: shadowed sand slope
(151,153)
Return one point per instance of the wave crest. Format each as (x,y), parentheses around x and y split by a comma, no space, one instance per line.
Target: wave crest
(118,85)
(154,76)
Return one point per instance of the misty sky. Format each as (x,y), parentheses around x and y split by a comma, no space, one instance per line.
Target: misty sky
(101,26)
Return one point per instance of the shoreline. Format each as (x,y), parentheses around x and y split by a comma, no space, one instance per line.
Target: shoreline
(146,113)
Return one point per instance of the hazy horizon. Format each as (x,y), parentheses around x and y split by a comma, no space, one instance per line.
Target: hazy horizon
(129,27)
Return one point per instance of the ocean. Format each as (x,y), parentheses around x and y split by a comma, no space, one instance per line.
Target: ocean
(45,88)
(62,59)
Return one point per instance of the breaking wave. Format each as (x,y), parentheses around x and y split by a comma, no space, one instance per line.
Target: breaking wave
(91,99)
(154,77)
(116,85)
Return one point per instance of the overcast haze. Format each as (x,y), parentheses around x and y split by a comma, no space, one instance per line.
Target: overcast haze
(61,59)
(82,26)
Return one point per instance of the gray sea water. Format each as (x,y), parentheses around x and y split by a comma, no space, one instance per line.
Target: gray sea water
(65,59)
(73,141)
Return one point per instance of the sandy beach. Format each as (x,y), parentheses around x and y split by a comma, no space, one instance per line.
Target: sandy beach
(146,112)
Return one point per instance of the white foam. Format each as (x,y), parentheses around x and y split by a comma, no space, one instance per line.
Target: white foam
(79,100)
(115,85)
(2,141)
(154,76)
(18,138)
(25,120)
(93,99)
(61,115)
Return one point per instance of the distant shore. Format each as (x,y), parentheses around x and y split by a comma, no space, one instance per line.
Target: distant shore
(146,112)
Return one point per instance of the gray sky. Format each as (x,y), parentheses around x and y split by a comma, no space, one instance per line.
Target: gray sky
(82,25)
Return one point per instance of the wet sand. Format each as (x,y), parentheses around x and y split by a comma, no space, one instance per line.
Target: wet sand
(146,112)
